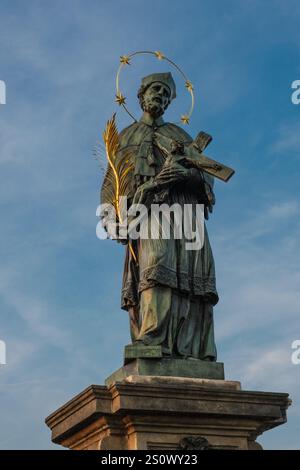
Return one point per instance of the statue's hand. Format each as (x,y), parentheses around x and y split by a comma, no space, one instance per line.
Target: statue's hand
(112,226)
(143,192)
(172,171)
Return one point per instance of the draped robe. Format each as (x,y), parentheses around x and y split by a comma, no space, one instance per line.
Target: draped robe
(172,290)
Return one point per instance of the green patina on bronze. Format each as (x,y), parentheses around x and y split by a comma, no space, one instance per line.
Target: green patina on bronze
(170,291)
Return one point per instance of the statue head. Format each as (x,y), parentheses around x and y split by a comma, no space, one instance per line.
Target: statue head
(156,93)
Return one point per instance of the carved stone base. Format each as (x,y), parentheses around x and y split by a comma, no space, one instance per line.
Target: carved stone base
(168,367)
(163,413)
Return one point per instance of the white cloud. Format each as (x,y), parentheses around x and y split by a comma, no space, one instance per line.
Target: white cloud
(284,209)
(288,140)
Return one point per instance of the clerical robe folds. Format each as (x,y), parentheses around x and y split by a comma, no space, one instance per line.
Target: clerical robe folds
(170,291)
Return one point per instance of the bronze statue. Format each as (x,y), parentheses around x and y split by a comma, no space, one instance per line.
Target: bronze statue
(168,291)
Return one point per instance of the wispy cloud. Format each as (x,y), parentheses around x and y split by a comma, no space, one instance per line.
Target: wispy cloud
(284,209)
(288,140)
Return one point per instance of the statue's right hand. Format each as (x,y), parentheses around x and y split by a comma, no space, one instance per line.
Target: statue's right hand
(142,192)
(123,241)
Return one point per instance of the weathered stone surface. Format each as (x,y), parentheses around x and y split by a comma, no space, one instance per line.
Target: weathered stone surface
(164,412)
(94,401)
(169,367)
(147,379)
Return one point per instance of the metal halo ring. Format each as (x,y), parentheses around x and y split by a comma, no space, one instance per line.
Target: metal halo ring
(121,99)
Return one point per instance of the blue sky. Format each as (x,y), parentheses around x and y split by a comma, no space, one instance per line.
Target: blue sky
(59,284)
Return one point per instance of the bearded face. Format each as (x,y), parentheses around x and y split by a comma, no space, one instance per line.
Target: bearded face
(156,99)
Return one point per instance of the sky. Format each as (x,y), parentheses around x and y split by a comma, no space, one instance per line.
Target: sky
(60,285)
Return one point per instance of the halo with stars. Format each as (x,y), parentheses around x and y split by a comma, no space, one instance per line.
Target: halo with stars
(125,60)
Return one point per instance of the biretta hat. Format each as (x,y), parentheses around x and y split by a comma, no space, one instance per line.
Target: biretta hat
(165,78)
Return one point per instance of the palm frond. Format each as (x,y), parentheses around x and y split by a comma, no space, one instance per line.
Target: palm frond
(100,155)
(117,178)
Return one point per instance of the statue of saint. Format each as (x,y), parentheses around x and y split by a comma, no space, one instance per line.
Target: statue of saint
(168,290)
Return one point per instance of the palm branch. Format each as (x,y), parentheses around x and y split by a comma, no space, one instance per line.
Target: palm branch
(117,181)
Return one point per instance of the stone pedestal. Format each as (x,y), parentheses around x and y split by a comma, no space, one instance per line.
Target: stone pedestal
(168,367)
(166,413)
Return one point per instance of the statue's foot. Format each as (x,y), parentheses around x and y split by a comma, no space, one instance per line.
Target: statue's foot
(166,351)
(209,359)
(206,358)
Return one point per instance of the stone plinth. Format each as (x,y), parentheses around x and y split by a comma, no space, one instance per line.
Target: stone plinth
(168,367)
(162,413)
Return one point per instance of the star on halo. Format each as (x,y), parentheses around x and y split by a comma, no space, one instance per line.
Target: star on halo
(120,99)
(185,119)
(125,60)
(189,85)
(159,55)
